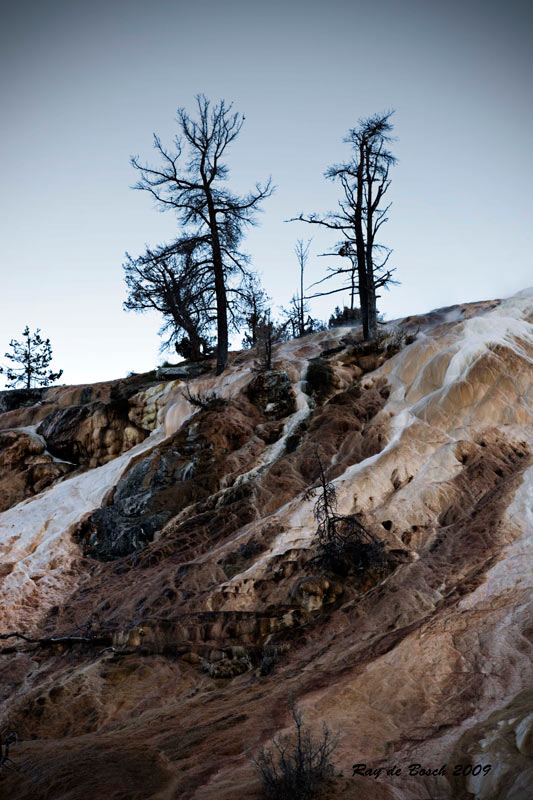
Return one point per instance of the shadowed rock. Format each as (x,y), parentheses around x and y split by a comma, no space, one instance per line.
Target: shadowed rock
(25,467)
(20,398)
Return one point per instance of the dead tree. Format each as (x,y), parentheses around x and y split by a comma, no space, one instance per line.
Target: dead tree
(295,314)
(344,544)
(364,180)
(302,254)
(191,182)
(207,401)
(297,766)
(177,282)
(345,250)
(254,307)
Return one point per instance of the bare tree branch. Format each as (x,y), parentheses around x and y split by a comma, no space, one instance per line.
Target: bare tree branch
(193,186)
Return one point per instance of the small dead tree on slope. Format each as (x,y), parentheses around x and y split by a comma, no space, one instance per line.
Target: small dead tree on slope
(296,766)
(343,543)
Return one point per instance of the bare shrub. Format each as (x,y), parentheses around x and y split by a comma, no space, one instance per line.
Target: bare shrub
(392,341)
(344,545)
(295,767)
(208,401)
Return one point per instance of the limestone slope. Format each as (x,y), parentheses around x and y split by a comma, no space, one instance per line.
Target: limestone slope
(179,550)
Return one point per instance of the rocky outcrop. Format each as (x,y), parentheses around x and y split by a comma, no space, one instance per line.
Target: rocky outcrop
(202,607)
(47,433)
(23,407)
(184,372)
(273,394)
(182,472)
(91,434)
(26,468)
(20,398)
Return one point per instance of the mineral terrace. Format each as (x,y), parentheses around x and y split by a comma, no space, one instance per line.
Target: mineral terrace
(171,548)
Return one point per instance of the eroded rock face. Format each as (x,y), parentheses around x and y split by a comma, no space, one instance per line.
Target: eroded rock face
(49,432)
(197,624)
(24,407)
(91,434)
(25,467)
(180,473)
(272,392)
(19,398)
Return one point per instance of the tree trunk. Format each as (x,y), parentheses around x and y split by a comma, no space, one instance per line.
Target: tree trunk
(369,260)
(352,290)
(220,287)
(28,365)
(372,315)
(182,319)
(196,346)
(301,308)
(222,322)
(360,245)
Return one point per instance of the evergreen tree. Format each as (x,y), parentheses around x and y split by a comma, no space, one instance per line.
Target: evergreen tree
(348,316)
(33,355)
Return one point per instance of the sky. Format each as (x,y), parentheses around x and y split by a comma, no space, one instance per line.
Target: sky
(85,85)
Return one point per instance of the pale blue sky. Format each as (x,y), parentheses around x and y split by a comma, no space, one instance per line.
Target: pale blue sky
(86,83)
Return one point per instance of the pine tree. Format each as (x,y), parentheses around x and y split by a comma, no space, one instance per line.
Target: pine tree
(34,355)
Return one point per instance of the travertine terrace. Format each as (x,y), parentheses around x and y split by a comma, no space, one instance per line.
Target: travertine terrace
(176,543)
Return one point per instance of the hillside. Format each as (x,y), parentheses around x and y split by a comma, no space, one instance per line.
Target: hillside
(172,548)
